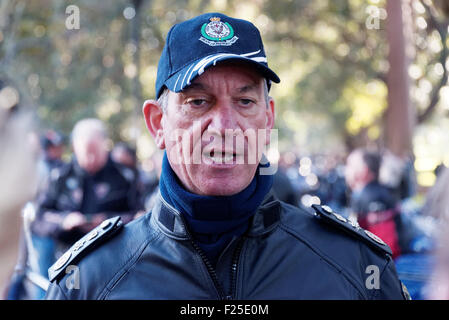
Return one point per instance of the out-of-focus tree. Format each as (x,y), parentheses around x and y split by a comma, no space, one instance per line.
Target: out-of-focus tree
(400,115)
(332,57)
(339,64)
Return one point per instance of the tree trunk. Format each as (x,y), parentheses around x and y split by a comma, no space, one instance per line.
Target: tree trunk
(400,115)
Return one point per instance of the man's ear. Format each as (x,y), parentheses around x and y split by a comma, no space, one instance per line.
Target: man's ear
(153,114)
(270,117)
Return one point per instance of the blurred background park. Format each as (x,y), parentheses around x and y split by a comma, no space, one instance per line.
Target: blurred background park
(354,73)
(339,88)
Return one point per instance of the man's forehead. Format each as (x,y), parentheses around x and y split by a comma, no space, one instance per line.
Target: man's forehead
(200,86)
(89,139)
(246,77)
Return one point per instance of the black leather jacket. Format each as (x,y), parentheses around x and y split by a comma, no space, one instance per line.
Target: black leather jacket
(288,253)
(112,191)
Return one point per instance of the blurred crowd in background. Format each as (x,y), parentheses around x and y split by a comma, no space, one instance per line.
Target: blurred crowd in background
(76,151)
(64,186)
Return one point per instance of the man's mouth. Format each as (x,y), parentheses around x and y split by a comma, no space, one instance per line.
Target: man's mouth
(220,157)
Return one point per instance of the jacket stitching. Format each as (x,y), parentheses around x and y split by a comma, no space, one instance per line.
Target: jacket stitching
(376,293)
(239,277)
(177,214)
(199,262)
(124,270)
(322,255)
(62,291)
(200,265)
(118,276)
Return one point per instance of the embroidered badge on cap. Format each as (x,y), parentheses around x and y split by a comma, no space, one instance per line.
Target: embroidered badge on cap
(217,33)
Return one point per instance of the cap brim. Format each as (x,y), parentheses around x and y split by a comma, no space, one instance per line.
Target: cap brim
(184,77)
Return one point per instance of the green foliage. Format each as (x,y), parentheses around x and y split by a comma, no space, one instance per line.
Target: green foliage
(325,55)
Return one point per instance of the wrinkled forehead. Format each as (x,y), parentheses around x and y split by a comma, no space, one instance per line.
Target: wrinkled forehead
(241,74)
(93,139)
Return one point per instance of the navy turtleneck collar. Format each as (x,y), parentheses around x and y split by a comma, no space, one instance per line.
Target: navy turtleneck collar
(214,220)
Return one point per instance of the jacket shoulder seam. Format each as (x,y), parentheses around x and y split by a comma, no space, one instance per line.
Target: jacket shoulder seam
(351,228)
(324,256)
(87,244)
(377,292)
(62,291)
(127,266)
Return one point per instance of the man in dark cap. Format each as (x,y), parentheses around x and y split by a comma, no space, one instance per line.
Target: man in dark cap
(53,147)
(216,232)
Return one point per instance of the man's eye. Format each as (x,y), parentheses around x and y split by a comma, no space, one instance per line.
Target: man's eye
(197,102)
(246,102)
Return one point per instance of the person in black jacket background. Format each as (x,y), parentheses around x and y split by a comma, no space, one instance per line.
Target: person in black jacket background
(375,205)
(88,190)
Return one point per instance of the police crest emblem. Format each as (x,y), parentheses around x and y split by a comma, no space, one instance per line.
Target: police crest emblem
(217,33)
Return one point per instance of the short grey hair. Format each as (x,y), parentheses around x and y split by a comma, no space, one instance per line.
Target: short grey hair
(89,127)
(163,98)
(265,92)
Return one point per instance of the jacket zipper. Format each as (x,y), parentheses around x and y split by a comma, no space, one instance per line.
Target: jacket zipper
(210,269)
(213,273)
(235,261)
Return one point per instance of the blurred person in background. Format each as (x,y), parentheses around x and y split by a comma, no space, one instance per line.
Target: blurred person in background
(437,206)
(398,174)
(373,203)
(439,169)
(283,188)
(18,183)
(52,144)
(151,179)
(332,189)
(88,190)
(51,151)
(126,155)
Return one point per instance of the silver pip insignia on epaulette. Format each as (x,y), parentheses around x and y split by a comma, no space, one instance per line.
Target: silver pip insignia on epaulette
(104,231)
(326,214)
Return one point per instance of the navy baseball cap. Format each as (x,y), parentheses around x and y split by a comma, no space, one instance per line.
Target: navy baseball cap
(51,138)
(199,43)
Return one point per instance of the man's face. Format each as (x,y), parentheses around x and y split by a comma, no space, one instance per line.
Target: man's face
(55,152)
(355,171)
(91,153)
(220,116)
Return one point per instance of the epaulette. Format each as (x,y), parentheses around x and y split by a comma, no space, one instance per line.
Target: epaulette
(95,237)
(326,214)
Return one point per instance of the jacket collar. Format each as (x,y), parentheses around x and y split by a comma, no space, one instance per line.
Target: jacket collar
(170,221)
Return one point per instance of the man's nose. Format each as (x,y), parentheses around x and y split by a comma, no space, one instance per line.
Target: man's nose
(91,158)
(223,117)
